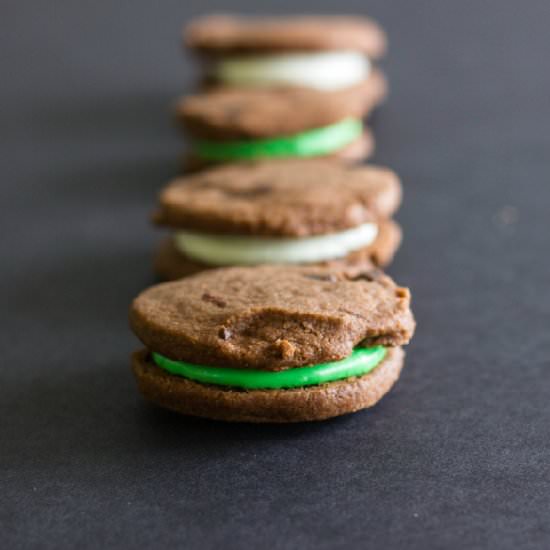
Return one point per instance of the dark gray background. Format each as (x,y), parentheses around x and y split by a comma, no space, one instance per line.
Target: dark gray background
(456,457)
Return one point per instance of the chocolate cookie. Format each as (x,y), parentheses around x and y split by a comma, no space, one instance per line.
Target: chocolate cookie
(323,53)
(229,125)
(229,34)
(270,344)
(232,114)
(293,211)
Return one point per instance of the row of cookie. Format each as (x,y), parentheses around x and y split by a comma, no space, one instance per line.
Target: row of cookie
(288,88)
(319,334)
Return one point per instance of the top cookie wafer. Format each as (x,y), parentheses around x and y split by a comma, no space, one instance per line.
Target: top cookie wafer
(271,317)
(219,34)
(286,198)
(251,113)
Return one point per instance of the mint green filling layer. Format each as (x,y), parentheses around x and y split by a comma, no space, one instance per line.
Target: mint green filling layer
(361,361)
(312,143)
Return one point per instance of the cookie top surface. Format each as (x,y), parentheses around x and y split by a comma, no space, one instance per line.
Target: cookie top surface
(271,317)
(221,34)
(246,113)
(286,198)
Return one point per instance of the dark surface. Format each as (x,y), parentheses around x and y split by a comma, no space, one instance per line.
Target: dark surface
(456,457)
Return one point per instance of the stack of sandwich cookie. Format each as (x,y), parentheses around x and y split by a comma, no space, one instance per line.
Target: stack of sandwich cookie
(283,87)
(271,343)
(323,53)
(285,212)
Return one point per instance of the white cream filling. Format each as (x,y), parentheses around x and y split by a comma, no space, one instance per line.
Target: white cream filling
(330,70)
(243,250)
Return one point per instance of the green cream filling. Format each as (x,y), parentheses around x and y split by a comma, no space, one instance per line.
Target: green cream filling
(312,143)
(361,361)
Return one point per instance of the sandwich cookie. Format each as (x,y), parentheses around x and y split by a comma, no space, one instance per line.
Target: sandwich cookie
(270,343)
(279,212)
(323,53)
(235,124)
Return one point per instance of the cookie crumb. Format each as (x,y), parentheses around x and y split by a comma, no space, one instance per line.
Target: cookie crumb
(285,348)
(402,292)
